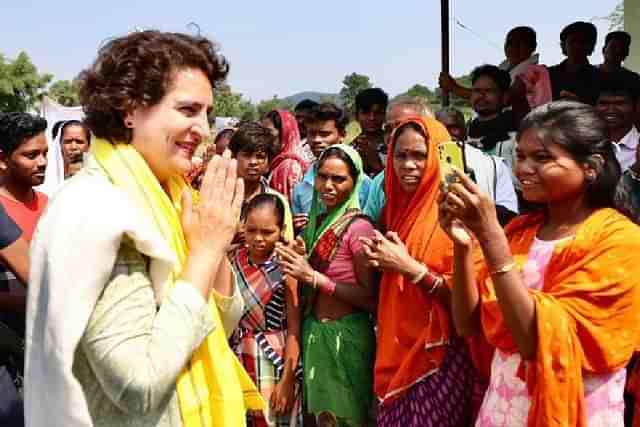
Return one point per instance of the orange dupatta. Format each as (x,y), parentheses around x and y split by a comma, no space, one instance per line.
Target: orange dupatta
(413,327)
(587,314)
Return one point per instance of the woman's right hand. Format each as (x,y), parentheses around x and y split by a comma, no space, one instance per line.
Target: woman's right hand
(211,225)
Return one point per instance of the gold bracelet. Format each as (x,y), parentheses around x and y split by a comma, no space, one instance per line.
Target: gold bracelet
(504,269)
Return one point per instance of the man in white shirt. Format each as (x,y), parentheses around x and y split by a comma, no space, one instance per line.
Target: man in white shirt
(617,105)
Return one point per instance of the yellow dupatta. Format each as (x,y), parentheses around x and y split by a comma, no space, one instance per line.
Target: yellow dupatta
(214,390)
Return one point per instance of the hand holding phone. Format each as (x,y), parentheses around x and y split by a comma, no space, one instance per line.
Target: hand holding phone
(451,155)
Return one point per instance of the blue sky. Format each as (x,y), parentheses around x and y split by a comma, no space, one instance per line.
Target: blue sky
(283,47)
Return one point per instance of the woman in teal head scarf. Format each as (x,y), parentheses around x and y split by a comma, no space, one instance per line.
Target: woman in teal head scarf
(339,293)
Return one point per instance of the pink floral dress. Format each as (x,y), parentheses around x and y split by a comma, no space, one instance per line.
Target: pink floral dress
(506,402)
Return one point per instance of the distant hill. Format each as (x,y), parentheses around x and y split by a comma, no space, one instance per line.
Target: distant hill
(314,96)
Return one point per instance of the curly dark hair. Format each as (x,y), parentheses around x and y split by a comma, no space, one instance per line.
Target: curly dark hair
(251,137)
(17,128)
(136,70)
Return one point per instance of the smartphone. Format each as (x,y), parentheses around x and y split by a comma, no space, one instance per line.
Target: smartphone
(451,154)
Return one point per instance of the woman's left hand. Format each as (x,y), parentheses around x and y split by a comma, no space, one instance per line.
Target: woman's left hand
(472,207)
(294,264)
(389,253)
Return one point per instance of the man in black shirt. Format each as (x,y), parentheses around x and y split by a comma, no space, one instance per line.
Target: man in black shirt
(575,78)
(615,51)
(493,129)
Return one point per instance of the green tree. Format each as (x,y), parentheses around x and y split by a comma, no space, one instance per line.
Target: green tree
(352,84)
(333,99)
(21,86)
(64,92)
(231,104)
(274,103)
(420,91)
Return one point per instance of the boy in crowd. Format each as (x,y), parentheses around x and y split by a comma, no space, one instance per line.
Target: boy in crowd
(519,50)
(326,126)
(371,105)
(616,49)
(23,160)
(302,111)
(575,78)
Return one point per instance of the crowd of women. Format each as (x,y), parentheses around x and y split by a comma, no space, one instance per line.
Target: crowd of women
(154,304)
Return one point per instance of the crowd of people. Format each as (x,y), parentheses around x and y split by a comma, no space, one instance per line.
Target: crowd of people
(292,274)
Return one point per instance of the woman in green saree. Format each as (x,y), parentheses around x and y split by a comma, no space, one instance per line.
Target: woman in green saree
(338,341)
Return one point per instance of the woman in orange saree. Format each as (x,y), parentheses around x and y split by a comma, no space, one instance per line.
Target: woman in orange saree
(423,371)
(558,296)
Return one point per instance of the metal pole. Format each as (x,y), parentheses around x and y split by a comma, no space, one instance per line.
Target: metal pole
(444,16)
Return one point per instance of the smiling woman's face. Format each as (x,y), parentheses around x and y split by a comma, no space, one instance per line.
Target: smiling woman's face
(167,134)
(547,172)
(410,159)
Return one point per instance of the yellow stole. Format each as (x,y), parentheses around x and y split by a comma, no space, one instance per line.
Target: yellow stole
(214,390)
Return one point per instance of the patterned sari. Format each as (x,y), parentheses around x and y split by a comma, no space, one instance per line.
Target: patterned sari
(260,338)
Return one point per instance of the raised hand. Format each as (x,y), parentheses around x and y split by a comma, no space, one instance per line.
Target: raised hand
(214,221)
(464,204)
(210,226)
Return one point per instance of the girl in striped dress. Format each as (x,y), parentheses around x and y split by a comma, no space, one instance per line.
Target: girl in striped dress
(267,337)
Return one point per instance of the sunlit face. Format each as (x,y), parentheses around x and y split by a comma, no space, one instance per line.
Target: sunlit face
(252,166)
(261,232)
(27,163)
(74,144)
(410,159)
(321,135)
(617,110)
(487,98)
(167,134)
(333,182)
(547,172)
(372,119)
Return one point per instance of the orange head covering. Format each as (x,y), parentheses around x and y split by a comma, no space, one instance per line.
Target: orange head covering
(413,326)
